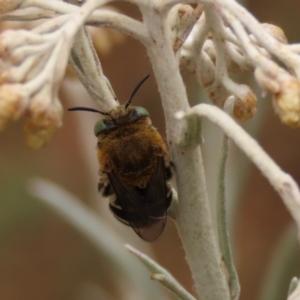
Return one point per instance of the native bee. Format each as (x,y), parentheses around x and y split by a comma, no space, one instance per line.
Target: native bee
(134,169)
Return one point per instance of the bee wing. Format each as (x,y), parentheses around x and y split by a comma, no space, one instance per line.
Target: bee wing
(145,210)
(156,193)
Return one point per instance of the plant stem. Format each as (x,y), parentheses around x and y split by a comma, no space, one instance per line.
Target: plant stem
(194,217)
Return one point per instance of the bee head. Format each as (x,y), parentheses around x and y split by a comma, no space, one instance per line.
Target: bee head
(119,115)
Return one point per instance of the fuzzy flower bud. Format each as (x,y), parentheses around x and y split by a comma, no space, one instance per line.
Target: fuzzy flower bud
(13,101)
(287,102)
(42,120)
(276,32)
(181,19)
(178,19)
(286,94)
(245,107)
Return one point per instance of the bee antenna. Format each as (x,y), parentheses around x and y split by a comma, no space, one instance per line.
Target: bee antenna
(88,109)
(136,89)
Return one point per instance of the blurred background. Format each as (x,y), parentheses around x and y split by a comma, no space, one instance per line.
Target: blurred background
(43,257)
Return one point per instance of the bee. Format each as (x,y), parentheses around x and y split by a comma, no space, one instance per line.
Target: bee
(135,167)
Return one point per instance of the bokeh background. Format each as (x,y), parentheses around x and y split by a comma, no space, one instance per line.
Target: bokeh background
(43,257)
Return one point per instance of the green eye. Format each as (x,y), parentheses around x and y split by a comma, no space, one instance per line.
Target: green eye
(100,126)
(103,125)
(140,112)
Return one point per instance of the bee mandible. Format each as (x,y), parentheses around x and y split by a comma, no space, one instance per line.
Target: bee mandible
(135,167)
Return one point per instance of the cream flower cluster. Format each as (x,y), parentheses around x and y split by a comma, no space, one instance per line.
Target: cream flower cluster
(32,67)
(229,39)
(211,40)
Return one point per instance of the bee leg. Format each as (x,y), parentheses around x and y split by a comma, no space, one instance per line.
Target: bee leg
(106,190)
(169,170)
(168,173)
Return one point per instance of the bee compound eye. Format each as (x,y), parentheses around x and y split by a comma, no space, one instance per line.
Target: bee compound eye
(100,126)
(139,112)
(103,125)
